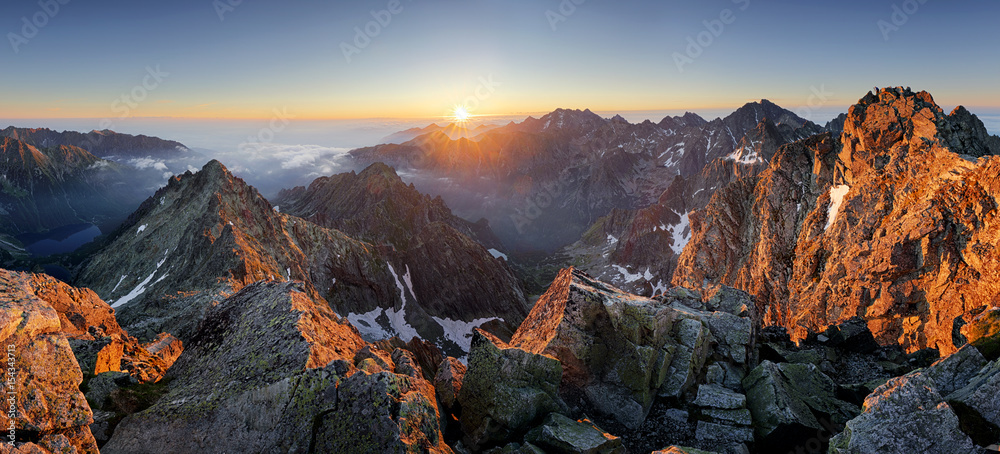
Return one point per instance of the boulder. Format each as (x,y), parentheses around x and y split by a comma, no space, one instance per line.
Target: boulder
(46,377)
(723,416)
(712,396)
(506,391)
(562,435)
(733,336)
(448,382)
(980,393)
(689,356)
(723,432)
(259,375)
(791,403)
(381,412)
(905,415)
(957,370)
(99,343)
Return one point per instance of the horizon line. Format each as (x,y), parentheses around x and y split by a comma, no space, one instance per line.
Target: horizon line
(989,110)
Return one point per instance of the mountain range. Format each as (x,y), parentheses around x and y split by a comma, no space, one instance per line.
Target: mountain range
(754,283)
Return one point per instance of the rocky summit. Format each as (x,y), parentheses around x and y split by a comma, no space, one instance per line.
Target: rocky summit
(892,221)
(750,284)
(206,235)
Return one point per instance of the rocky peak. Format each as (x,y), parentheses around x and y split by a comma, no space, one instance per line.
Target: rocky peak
(870,225)
(375,205)
(751,114)
(836,126)
(966,132)
(44,188)
(202,232)
(884,125)
(689,119)
(53,161)
(569,121)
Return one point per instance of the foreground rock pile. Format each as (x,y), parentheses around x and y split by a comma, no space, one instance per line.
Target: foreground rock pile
(592,369)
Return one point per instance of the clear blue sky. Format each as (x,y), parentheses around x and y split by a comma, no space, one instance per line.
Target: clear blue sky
(434,54)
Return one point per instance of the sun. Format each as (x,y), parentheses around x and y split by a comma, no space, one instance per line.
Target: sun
(461,114)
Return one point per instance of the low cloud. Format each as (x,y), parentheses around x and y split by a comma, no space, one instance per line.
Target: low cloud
(148,163)
(273,166)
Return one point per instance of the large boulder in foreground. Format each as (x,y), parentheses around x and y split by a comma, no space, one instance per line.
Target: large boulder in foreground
(792,403)
(381,412)
(948,407)
(905,415)
(618,350)
(506,391)
(46,377)
(261,368)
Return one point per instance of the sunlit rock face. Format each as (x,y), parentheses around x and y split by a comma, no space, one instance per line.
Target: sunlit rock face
(907,246)
(45,379)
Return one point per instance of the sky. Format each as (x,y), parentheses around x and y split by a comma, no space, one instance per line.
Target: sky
(311,59)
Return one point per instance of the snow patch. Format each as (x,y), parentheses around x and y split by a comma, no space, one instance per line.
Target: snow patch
(397,319)
(119,283)
(681,233)
(460,332)
(746,156)
(367,324)
(138,290)
(141,229)
(498,255)
(409,282)
(277,209)
(612,240)
(141,288)
(659,288)
(837,194)
(630,277)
